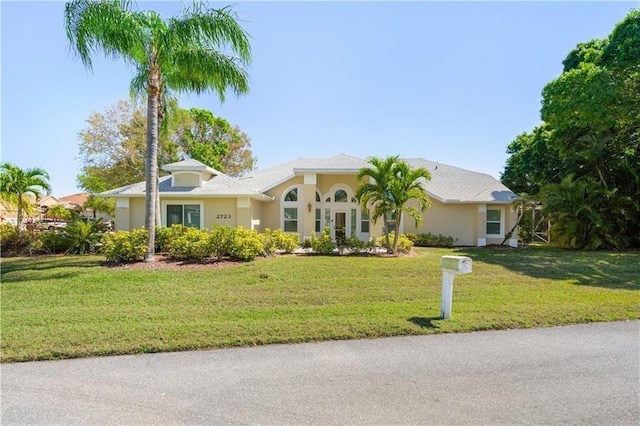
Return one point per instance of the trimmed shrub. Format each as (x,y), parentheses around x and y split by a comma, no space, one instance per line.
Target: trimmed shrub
(285,241)
(356,245)
(430,240)
(322,244)
(247,244)
(193,244)
(221,238)
(412,237)
(125,246)
(164,236)
(404,244)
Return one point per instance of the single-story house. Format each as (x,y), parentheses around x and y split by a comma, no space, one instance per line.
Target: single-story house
(307,194)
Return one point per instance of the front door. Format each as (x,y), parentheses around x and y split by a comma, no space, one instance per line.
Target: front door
(340,226)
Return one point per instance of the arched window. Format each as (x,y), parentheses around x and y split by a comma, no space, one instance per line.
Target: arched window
(290,210)
(292,195)
(340,196)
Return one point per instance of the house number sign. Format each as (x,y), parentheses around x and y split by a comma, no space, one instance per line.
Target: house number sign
(223,216)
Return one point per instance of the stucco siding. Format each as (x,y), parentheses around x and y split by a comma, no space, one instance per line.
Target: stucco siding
(136,213)
(220,211)
(456,220)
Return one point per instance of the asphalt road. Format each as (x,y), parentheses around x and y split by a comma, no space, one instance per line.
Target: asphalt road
(585,374)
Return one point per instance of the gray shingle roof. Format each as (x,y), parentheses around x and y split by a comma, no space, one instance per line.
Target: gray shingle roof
(448,184)
(219,185)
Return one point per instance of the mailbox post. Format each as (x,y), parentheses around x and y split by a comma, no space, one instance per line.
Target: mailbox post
(451,266)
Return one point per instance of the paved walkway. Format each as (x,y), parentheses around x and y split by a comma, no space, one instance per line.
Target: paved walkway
(586,374)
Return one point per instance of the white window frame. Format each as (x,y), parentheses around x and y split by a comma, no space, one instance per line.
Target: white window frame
(501,234)
(183,202)
(176,174)
(291,204)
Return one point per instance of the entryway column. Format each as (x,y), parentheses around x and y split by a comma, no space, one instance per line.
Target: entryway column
(482,225)
(308,205)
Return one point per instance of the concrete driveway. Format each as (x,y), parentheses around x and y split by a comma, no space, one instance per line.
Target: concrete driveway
(585,374)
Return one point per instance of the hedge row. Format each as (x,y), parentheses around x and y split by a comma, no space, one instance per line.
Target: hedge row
(184,243)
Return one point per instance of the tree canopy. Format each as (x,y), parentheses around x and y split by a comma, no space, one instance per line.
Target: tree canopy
(588,146)
(203,50)
(112,146)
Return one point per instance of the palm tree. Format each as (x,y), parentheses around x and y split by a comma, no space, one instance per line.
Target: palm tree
(373,194)
(176,54)
(16,184)
(392,183)
(58,212)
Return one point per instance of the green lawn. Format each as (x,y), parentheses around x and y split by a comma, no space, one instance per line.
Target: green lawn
(66,307)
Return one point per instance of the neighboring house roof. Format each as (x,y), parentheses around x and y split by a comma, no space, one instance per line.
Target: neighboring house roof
(78,199)
(46,201)
(217,185)
(448,184)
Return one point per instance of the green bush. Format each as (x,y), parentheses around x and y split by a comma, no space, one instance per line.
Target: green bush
(247,244)
(82,237)
(356,245)
(430,240)
(54,242)
(286,242)
(125,246)
(412,237)
(18,242)
(404,244)
(164,236)
(221,238)
(322,244)
(193,244)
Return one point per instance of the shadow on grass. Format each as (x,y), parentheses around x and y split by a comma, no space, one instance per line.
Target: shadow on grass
(606,269)
(12,269)
(424,322)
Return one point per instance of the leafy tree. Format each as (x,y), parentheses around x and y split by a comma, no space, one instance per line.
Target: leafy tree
(392,183)
(112,148)
(180,54)
(212,140)
(591,133)
(17,184)
(534,161)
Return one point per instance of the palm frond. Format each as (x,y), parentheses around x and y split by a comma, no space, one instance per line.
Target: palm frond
(108,27)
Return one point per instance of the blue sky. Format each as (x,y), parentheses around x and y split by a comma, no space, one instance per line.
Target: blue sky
(453,82)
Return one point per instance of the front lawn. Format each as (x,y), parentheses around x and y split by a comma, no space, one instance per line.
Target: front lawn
(65,307)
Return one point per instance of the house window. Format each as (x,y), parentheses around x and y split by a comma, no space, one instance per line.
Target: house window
(340,196)
(364,222)
(318,216)
(494,222)
(290,219)
(183,214)
(292,195)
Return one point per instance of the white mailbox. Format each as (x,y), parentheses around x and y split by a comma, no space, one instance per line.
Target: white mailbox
(451,266)
(456,264)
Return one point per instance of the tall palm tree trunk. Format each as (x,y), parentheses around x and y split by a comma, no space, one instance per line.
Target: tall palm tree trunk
(151,164)
(19,218)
